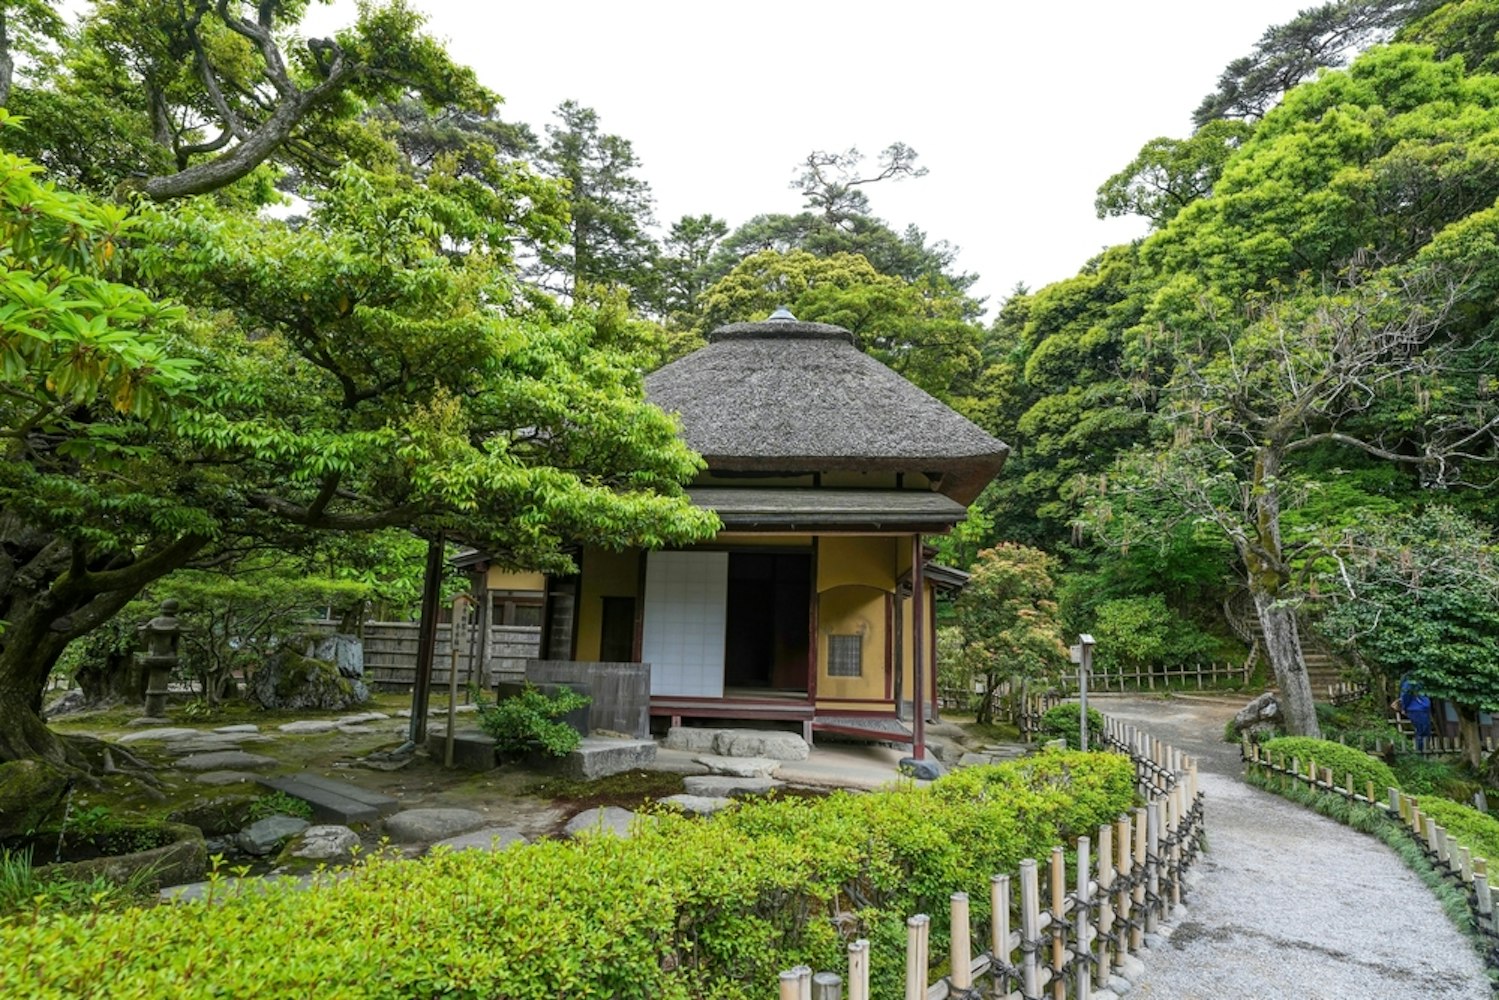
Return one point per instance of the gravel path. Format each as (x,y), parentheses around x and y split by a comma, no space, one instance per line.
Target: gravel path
(1291,904)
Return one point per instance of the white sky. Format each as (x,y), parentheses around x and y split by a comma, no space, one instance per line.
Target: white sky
(1019,111)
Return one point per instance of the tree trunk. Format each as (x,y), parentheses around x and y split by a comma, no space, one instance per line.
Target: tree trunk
(1468,735)
(118,677)
(1283,649)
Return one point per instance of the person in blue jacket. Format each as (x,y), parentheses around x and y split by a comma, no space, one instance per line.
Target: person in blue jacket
(1417,708)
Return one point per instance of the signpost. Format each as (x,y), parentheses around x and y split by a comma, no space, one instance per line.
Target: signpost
(1082,655)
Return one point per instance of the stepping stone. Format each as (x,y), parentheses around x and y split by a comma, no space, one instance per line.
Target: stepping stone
(333,801)
(159,733)
(308,726)
(354,720)
(225,759)
(223,777)
(700,805)
(492,838)
(473,750)
(357,729)
(263,836)
(739,767)
(430,825)
(608,819)
(717,786)
(148,720)
(248,727)
(975,759)
(209,742)
(329,842)
(597,757)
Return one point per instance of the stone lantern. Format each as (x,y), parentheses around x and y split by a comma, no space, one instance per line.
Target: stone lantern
(161,635)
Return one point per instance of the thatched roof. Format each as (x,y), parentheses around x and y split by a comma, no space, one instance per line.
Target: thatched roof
(788,396)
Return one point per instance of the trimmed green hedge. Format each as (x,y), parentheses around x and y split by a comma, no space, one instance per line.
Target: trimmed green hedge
(685,908)
(1340,759)
(1060,722)
(1477,831)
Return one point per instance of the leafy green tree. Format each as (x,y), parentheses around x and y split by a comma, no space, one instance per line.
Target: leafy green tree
(1008,617)
(1419,596)
(610,206)
(1170,174)
(683,265)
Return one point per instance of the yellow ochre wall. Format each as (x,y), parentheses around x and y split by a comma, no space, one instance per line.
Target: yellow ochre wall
(605,574)
(854,575)
(504,579)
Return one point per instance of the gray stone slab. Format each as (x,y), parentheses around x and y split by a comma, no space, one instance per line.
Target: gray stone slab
(329,842)
(148,720)
(210,742)
(225,759)
(760,743)
(356,729)
(431,825)
(605,820)
(975,759)
(473,750)
(739,767)
(264,836)
(308,726)
(722,786)
(491,838)
(224,777)
(247,727)
(695,739)
(379,800)
(599,757)
(334,801)
(361,717)
(701,805)
(159,733)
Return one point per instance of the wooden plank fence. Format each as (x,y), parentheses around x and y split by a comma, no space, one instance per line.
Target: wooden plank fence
(390,653)
(1066,943)
(1452,859)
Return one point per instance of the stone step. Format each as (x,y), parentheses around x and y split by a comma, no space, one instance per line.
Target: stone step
(334,801)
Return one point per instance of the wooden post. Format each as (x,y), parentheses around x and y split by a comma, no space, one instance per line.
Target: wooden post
(1152,864)
(1124,901)
(999,943)
(961,959)
(1137,933)
(858,970)
(827,986)
(1030,928)
(790,985)
(1058,924)
(918,929)
(1105,903)
(1485,899)
(918,657)
(1082,975)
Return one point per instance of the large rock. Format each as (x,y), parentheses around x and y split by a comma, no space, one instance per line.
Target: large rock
(598,757)
(218,815)
(264,836)
(608,819)
(431,825)
(771,743)
(1260,718)
(491,838)
(289,680)
(346,652)
(718,786)
(739,767)
(328,842)
(29,791)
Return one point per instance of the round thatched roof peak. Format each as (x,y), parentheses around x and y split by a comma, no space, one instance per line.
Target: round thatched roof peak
(781,326)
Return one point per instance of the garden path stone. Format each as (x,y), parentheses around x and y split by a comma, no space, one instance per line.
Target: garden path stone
(308,726)
(329,842)
(332,800)
(701,805)
(607,819)
(492,838)
(223,777)
(739,767)
(263,836)
(158,733)
(355,729)
(356,719)
(247,727)
(222,759)
(148,720)
(430,825)
(717,786)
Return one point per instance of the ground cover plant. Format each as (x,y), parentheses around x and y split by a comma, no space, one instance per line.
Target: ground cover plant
(685,908)
(1341,760)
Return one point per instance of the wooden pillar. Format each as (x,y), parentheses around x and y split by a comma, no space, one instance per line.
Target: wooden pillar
(484,621)
(918,650)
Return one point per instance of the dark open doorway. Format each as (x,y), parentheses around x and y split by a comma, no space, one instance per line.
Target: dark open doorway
(767,632)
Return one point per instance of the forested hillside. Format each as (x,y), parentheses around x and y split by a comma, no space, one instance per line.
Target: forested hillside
(285,309)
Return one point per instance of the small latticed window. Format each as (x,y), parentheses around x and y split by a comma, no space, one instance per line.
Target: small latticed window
(845,656)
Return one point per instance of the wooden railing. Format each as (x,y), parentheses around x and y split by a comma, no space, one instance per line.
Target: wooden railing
(1455,861)
(1067,943)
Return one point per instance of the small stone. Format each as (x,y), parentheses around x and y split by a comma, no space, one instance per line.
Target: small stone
(922,770)
(159,733)
(263,836)
(357,729)
(354,720)
(607,819)
(222,759)
(308,726)
(491,838)
(248,727)
(716,786)
(430,825)
(975,760)
(1130,967)
(148,720)
(223,777)
(739,767)
(700,805)
(327,842)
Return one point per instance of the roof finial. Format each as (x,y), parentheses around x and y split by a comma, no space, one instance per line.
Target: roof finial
(781,315)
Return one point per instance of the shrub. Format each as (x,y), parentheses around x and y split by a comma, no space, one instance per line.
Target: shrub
(1341,760)
(531,722)
(1475,830)
(1060,723)
(685,908)
(280,804)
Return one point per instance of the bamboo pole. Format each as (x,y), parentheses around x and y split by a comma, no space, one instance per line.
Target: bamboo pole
(827,986)
(1030,928)
(858,970)
(1153,863)
(1082,975)
(790,988)
(1123,899)
(1137,932)
(961,961)
(917,930)
(1105,904)
(1058,924)
(999,943)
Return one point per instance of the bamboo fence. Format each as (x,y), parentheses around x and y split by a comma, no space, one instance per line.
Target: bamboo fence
(1067,943)
(1453,860)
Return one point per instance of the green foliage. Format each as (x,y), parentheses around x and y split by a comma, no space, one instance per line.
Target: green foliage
(1475,830)
(684,908)
(26,893)
(1062,722)
(531,722)
(1339,759)
(280,804)
(1142,632)
(1421,774)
